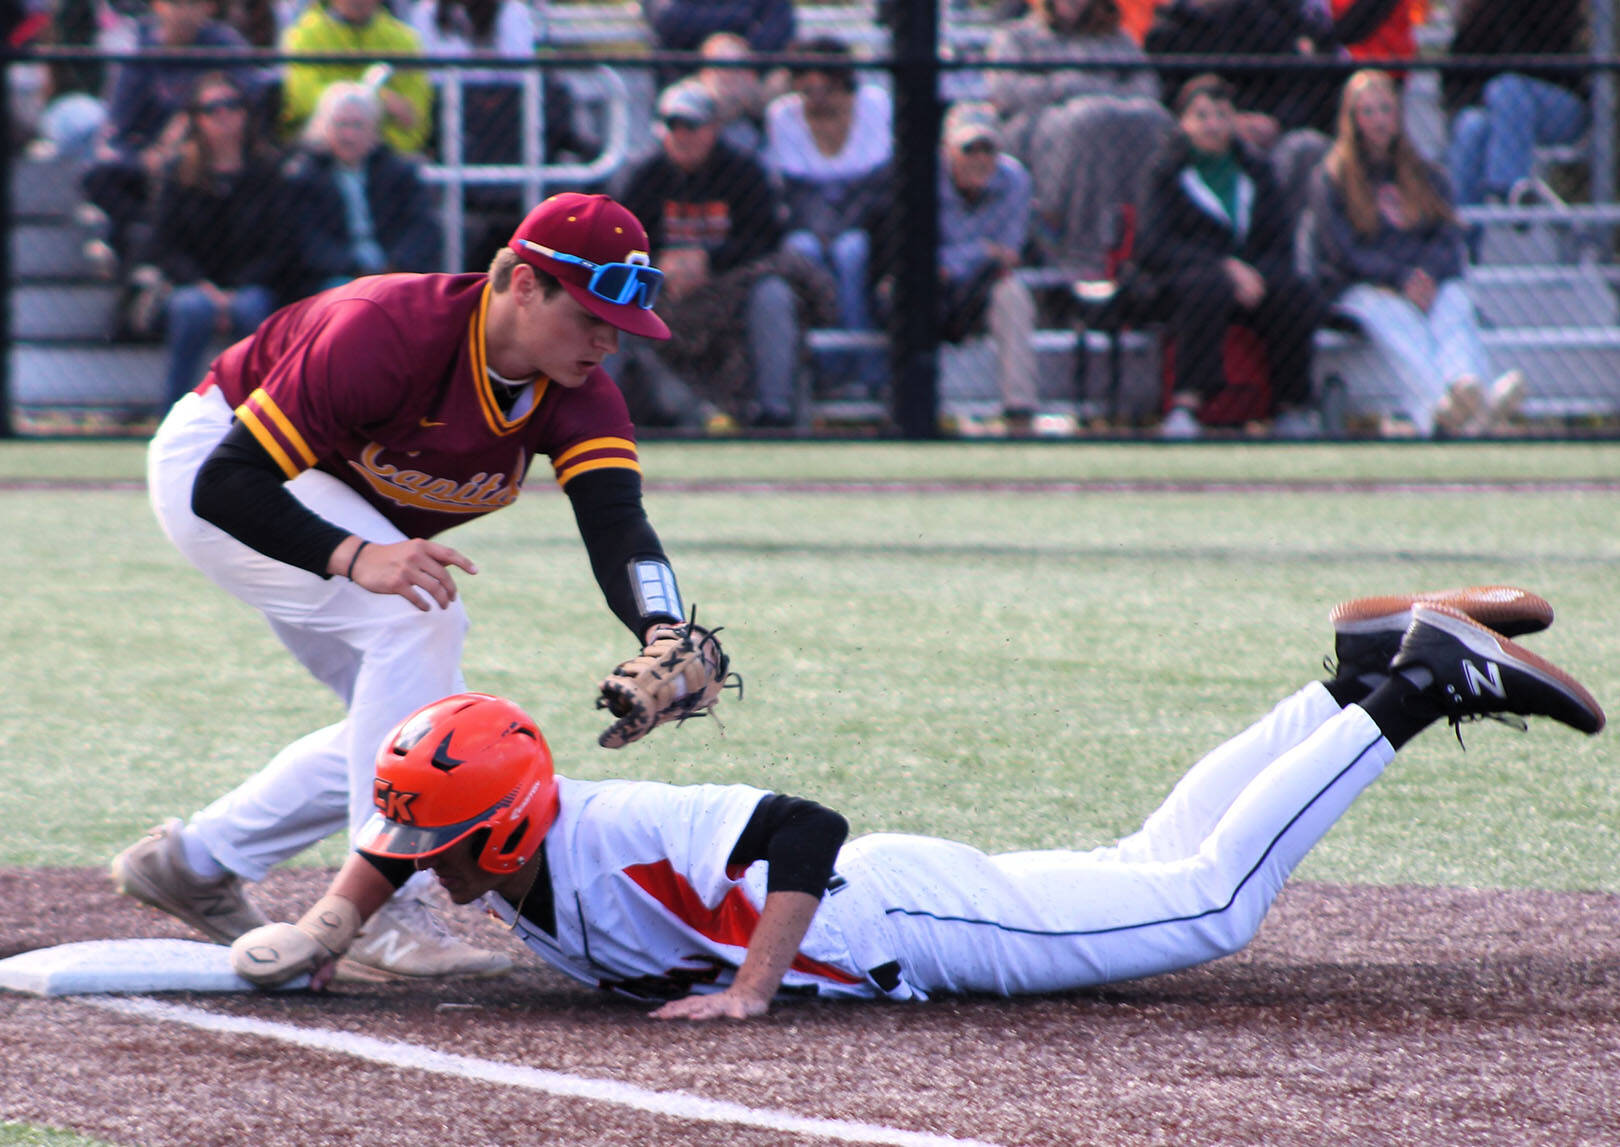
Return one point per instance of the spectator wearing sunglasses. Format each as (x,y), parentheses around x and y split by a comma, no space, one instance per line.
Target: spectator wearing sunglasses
(361,207)
(312,474)
(146,117)
(732,298)
(985,199)
(219,233)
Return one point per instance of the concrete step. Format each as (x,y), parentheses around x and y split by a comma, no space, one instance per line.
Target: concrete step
(120,375)
(87,311)
(45,189)
(49,249)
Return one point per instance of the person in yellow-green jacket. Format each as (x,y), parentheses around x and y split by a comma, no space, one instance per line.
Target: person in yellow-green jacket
(353,27)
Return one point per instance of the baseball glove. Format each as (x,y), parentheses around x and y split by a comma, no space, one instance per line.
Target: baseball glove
(678,675)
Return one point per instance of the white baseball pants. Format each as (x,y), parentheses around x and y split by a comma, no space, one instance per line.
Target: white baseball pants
(1192,885)
(381,656)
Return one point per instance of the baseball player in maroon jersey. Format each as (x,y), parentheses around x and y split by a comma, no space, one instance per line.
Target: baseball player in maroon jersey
(310,475)
(718,899)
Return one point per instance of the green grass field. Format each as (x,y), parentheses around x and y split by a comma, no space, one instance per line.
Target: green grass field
(1011,668)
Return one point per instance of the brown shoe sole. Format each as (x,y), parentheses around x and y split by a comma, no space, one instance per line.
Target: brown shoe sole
(1503,608)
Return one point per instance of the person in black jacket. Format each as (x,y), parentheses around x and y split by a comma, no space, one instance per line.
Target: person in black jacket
(730,295)
(217,237)
(1217,247)
(361,207)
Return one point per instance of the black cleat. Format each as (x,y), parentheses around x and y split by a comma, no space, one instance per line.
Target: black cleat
(1480,673)
(1367,631)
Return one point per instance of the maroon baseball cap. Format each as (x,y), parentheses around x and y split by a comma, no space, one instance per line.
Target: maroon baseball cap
(598,230)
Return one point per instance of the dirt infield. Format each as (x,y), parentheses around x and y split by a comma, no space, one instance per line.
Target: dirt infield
(1359,1016)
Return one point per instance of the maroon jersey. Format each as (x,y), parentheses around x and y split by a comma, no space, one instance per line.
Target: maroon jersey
(383,383)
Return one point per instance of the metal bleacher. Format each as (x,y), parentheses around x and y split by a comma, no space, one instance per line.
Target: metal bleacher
(1545,277)
(64,319)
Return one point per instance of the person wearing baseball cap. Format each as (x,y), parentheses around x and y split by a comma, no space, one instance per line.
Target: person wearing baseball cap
(310,474)
(986,200)
(714,220)
(598,251)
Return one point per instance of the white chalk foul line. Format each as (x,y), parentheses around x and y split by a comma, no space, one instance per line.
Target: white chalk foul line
(395,1054)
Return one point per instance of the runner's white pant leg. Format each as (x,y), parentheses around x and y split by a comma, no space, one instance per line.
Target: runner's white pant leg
(382,657)
(1207,790)
(1047,921)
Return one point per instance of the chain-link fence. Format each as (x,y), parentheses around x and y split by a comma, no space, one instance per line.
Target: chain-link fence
(1363,218)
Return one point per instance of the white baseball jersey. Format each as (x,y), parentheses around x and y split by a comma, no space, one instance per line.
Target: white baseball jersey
(644,903)
(643,900)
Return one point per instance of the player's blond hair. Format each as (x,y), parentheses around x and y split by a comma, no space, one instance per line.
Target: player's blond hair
(500,274)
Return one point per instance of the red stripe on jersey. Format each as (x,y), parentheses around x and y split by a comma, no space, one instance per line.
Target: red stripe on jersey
(730,922)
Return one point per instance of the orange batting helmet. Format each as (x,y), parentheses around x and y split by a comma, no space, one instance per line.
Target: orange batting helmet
(468,762)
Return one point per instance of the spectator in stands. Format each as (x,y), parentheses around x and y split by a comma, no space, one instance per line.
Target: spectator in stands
(360,207)
(502,29)
(829,141)
(1500,117)
(739,93)
(357,28)
(683,25)
(1216,247)
(731,298)
(1061,31)
(219,233)
(146,118)
(984,200)
(1387,243)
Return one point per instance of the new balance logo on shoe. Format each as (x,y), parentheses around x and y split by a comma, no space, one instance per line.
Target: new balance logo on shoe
(1488,681)
(1480,673)
(406,939)
(389,947)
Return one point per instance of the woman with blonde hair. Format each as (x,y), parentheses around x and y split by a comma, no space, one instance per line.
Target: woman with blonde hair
(1386,243)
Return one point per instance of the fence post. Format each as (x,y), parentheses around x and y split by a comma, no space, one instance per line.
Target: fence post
(1603,104)
(7,430)
(914,327)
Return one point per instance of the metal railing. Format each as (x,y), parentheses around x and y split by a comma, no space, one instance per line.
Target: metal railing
(534,172)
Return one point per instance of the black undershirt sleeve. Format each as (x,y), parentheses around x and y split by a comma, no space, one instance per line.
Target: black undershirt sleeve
(614,527)
(241,490)
(798,839)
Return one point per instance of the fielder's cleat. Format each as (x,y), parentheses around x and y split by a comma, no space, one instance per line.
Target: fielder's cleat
(1480,673)
(405,939)
(154,871)
(1367,631)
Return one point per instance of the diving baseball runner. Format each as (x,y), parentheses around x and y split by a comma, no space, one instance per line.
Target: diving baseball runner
(659,892)
(309,475)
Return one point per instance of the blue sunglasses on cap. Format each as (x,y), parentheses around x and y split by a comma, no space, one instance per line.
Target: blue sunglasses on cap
(617,283)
